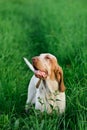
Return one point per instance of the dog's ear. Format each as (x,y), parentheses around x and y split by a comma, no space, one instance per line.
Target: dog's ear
(59,77)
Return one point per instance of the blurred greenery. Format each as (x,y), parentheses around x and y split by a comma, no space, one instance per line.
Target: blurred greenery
(31,27)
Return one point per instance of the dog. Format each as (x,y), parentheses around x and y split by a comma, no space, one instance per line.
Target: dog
(46,88)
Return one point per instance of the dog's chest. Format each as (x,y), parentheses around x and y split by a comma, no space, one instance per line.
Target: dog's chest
(52,85)
(48,86)
(48,92)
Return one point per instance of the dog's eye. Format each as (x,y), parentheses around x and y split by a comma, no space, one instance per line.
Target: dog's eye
(47,57)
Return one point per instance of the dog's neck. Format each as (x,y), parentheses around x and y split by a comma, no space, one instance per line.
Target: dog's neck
(51,84)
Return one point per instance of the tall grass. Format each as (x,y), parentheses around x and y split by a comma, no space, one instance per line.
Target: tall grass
(31,27)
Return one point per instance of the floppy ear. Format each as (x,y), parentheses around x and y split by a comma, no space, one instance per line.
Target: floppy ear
(59,77)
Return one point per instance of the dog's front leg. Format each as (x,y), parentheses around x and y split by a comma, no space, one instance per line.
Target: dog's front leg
(31,94)
(39,104)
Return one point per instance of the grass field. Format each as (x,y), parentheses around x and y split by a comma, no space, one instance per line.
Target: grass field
(31,27)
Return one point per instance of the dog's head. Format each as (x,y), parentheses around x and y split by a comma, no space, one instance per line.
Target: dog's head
(46,67)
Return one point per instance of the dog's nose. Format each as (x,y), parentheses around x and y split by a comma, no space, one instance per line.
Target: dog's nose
(34,59)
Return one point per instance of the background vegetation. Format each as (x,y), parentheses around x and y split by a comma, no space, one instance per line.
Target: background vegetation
(31,27)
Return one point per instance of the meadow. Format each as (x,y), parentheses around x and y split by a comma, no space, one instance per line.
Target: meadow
(31,27)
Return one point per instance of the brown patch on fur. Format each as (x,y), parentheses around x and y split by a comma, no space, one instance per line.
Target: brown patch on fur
(53,64)
(59,77)
(37,63)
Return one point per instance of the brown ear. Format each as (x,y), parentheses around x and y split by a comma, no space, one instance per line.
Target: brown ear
(59,77)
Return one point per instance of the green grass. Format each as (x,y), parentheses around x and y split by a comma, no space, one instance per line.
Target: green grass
(31,27)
